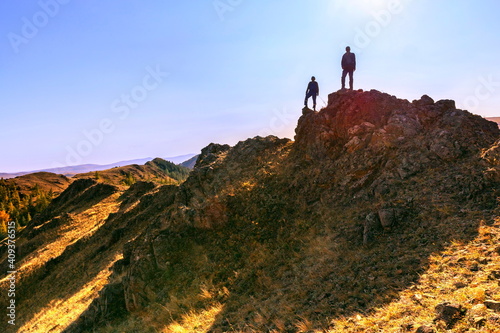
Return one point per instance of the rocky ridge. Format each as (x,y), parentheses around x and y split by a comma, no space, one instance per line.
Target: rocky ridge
(282,235)
(369,168)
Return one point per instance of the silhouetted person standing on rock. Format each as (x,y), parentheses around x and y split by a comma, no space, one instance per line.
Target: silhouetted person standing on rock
(312,91)
(348,66)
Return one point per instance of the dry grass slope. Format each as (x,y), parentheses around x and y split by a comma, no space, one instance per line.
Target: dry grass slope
(66,255)
(464,273)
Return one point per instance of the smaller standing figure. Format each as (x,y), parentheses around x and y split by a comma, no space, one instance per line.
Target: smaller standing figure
(312,91)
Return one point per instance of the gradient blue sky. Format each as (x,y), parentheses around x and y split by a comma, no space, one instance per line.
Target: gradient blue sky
(77,87)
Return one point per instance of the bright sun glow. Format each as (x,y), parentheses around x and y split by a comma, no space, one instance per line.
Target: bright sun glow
(366,6)
(371,5)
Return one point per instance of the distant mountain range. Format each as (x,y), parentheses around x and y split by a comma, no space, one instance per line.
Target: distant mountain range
(70,171)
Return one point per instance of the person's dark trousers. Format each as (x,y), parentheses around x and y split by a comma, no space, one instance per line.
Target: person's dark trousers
(344,74)
(313,95)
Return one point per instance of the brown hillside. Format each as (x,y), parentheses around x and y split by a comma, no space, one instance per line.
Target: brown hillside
(64,256)
(45,180)
(381,216)
(157,170)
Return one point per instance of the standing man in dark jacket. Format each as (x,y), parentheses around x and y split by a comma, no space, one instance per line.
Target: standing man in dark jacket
(312,91)
(348,66)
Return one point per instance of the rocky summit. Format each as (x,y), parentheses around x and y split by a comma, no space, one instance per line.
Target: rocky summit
(379,211)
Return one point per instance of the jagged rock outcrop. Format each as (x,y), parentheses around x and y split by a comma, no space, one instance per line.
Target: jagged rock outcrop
(274,229)
(377,121)
(219,171)
(375,140)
